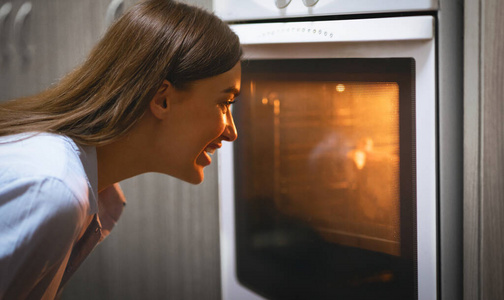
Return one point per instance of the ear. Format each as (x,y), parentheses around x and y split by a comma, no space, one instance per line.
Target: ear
(160,103)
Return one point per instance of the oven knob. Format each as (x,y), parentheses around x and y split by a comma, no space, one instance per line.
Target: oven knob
(309,3)
(282,3)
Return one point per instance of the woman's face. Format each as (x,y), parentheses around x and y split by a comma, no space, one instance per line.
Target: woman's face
(199,120)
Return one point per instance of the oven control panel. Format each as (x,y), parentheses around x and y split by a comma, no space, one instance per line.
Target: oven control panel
(284,3)
(243,10)
(309,3)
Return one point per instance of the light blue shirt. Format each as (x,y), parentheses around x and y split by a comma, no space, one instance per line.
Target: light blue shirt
(48,189)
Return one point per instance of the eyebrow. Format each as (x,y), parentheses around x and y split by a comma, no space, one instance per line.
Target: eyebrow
(231,90)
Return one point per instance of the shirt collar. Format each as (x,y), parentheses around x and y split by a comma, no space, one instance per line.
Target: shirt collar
(87,155)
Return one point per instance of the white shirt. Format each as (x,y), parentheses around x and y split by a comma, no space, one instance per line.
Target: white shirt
(48,191)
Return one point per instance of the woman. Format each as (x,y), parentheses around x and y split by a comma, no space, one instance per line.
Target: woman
(153,96)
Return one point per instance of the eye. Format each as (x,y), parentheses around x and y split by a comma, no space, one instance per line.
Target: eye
(226,104)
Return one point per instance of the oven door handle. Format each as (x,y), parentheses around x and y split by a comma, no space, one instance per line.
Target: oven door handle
(366,30)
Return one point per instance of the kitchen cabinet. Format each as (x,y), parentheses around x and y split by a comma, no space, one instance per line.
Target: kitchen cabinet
(24,70)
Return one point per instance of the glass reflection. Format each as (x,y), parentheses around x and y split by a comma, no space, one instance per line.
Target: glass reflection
(336,159)
(324,179)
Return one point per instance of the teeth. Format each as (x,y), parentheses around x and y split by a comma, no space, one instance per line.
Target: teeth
(210,150)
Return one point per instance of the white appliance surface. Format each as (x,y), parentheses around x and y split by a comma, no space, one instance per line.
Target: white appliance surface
(404,37)
(236,10)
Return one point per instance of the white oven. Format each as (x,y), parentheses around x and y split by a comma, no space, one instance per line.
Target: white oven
(232,10)
(330,191)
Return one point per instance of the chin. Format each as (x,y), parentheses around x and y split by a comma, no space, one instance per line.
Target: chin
(195,181)
(195,177)
(191,174)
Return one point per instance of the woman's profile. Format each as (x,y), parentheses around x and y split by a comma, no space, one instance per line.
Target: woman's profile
(152,96)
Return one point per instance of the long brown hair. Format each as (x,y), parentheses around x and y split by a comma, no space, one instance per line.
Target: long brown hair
(103,98)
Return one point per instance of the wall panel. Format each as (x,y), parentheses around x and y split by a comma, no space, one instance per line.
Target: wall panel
(471,150)
(6,53)
(492,209)
(484,151)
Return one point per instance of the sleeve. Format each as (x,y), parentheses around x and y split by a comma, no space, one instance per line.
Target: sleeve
(111,204)
(39,220)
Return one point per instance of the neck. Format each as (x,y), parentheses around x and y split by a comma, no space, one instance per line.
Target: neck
(124,158)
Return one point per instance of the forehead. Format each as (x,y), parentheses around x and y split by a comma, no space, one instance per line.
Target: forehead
(227,82)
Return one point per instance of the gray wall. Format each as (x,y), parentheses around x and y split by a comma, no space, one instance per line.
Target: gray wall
(484,150)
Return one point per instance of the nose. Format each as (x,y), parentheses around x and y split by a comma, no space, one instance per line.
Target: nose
(230,133)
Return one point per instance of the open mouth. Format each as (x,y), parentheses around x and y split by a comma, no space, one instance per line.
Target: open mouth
(210,150)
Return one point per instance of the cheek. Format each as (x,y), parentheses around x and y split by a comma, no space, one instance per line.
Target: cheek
(219,125)
(216,122)
(210,127)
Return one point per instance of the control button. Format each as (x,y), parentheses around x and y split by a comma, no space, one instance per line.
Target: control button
(310,2)
(282,3)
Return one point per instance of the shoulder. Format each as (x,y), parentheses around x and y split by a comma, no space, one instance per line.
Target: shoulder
(38,213)
(49,151)
(40,200)
(40,219)
(38,210)
(43,157)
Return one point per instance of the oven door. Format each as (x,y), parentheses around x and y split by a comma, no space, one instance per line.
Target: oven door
(330,190)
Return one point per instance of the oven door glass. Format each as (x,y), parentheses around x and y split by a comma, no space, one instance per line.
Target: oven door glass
(324,171)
